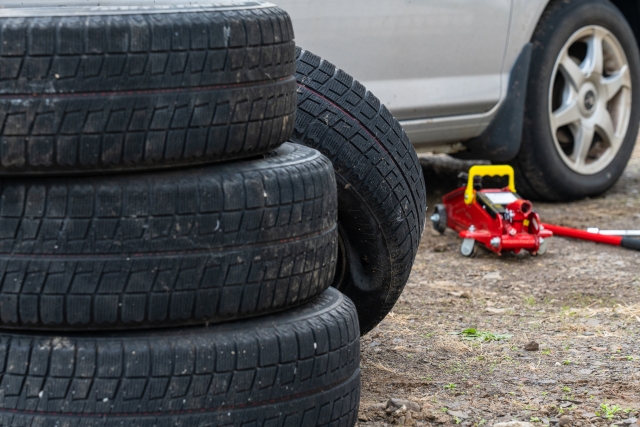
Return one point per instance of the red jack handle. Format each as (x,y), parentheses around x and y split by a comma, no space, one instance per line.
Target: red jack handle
(625,242)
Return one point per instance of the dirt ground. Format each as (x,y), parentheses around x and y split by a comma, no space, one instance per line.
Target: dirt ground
(580,303)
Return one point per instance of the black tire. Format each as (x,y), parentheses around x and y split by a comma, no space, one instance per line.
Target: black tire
(381,190)
(163,249)
(297,368)
(541,174)
(147,89)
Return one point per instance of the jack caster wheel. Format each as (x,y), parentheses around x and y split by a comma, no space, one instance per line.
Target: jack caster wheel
(468,248)
(544,246)
(439,219)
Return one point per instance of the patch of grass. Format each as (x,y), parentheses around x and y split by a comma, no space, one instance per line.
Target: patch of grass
(472,334)
(546,352)
(630,358)
(529,300)
(608,411)
(566,389)
(535,420)
(450,386)
(566,362)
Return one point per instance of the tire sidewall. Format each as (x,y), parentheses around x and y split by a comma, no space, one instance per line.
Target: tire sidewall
(538,140)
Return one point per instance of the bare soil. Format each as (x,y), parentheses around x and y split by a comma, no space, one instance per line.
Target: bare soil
(580,303)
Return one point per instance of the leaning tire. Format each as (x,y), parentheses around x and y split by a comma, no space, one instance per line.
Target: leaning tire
(381,190)
(160,249)
(570,101)
(296,368)
(110,88)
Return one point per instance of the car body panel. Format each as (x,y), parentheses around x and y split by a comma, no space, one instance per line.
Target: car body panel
(441,66)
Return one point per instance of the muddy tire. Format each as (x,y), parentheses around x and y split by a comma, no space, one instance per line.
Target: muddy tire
(110,88)
(197,245)
(381,190)
(296,368)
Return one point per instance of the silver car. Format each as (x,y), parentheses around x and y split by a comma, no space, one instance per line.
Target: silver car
(551,87)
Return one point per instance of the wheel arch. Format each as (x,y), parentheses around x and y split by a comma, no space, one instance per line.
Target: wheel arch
(631,12)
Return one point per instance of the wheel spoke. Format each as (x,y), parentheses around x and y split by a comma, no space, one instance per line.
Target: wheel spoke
(594,62)
(567,114)
(606,128)
(612,85)
(572,72)
(582,144)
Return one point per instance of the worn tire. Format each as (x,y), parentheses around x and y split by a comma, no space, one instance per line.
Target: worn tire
(162,249)
(296,368)
(381,190)
(109,89)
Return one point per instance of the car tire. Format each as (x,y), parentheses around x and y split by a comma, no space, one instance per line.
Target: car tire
(196,245)
(296,368)
(570,99)
(88,89)
(381,189)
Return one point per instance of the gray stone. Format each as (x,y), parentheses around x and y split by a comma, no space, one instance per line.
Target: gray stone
(585,371)
(395,404)
(630,421)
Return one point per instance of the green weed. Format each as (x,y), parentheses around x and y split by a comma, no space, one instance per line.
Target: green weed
(472,334)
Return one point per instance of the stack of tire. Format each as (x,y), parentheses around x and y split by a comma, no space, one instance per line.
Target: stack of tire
(166,256)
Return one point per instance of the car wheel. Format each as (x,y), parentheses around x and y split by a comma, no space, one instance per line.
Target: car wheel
(583,95)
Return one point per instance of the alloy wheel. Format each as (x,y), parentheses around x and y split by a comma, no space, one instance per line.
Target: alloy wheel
(590,100)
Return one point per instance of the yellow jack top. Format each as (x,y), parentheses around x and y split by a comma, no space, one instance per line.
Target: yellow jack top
(490,170)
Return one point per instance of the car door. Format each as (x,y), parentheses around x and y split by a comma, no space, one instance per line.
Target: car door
(422,58)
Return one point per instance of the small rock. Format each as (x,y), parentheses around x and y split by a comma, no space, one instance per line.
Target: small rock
(440,247)
(585,371)
(514,424)
(395,404)
(565,421)
(634,425)
(532,346)
(459,414)
(492,310)
(465,295)
(374,343)
(588,415)
(544,382)
(495,275)
(630,421)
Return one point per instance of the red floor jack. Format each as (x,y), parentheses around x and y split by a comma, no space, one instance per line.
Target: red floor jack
(502,221)
(496,218)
